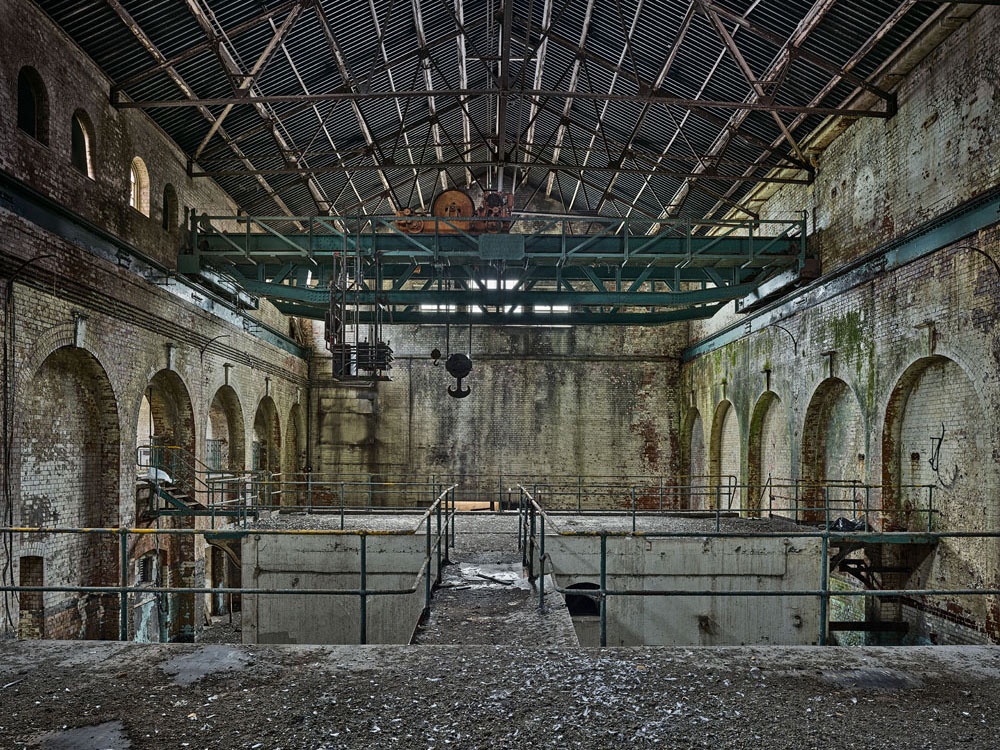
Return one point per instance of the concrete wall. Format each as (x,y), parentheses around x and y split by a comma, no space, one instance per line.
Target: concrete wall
(638,564)
(332,562)
(554,401)
(876,363)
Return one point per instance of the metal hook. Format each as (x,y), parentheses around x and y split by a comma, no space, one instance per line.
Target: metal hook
(458,391)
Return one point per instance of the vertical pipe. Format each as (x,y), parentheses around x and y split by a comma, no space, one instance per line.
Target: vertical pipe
(826,506)
(930,506)
(823,585)
(364,592)
(604,587)
(123,596)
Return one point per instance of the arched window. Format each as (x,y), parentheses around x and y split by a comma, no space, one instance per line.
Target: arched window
(138,195)
(32,105)
(169,208)
(83,143)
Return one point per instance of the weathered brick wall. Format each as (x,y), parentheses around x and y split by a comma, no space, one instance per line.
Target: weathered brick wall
(880,179)
(887,361)
(78,386)
(556,401)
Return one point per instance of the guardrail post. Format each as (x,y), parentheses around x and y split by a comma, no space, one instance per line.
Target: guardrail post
(364,592)
(369,492)
(718,514)
(341,506)
(604,588)
(868,491)
(796,501)
(541,561)
(309,491)
(439,540)
(633,508)
(531,546)
(823,585)
(454,512)
(579,493)
(499,494)
(427,573)
(661,493)
(123,596)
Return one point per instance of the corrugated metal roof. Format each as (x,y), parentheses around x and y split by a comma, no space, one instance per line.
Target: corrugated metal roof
(626,43)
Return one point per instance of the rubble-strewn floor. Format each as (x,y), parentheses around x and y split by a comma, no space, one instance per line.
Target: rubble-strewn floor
(296,697)
(485,597)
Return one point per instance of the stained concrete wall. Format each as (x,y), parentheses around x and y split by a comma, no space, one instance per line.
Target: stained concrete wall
(638,564)
(332,562)
(544,402)
(875,363)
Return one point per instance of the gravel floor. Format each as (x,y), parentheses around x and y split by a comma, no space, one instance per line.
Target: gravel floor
(331,521)
(294,697)
(660,523)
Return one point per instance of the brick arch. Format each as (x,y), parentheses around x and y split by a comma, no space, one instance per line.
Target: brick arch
(692,458)
(834,443)
(724,455)
(172,410)
(68,461)
(225,420)
(267,434)
(932,392)
(768,448)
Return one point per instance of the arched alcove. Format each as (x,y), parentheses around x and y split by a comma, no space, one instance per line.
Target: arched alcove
(693,460)
(833,448)
(82,143)
(724,457)
(267,437)
(138,195)
(768,453)
(225,433)
(69,476)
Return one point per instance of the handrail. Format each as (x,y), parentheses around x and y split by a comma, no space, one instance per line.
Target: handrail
(443,509)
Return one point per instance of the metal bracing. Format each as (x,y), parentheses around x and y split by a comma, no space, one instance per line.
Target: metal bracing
(627,109)
(578,265)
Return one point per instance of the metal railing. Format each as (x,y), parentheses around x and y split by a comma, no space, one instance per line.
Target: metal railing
(531,533)
(438,520)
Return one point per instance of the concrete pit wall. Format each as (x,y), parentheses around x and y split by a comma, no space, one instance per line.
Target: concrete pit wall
(645,564)
(332,562)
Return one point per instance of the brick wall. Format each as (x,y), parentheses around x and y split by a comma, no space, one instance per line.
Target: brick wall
(92,336)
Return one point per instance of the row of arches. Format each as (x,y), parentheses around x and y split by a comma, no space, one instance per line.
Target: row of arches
(74,469)
(932,433)
(33,119)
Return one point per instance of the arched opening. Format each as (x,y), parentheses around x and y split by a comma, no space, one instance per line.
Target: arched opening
(32,105)
(693,460)
(225,434)
(724,458)
(934,435)
(833,451)
(938,474)
(769,455)
(166,422)
(169,215)
(267,437)
(82,143)
(294,463)
(138,195)
(581,605)
(69,476)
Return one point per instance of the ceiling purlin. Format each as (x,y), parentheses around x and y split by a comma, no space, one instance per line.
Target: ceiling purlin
(188,92)
(783,58)
(895,17)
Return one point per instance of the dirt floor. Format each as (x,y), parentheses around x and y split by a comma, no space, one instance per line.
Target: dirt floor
(293,697)
(490,671)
